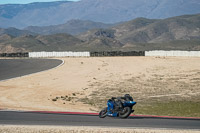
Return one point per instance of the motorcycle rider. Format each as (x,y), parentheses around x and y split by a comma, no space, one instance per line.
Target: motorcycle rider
(117,101)
(118,107)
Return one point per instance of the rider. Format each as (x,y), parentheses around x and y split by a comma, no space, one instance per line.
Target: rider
(117,101)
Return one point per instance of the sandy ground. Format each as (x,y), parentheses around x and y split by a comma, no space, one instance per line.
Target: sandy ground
(60,129)
(71,86)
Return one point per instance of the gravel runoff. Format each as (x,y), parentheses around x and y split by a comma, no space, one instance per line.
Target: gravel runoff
(75,129)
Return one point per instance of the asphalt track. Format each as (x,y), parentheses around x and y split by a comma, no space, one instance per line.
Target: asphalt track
(36,118)
(15,68)
(11,68)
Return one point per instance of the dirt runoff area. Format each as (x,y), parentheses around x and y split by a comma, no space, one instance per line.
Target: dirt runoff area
(84,84)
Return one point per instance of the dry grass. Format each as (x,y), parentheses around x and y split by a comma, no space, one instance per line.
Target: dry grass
(158,91)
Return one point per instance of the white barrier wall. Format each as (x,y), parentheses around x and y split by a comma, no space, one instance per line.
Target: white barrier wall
(59,54)
(173,53)
(87,54)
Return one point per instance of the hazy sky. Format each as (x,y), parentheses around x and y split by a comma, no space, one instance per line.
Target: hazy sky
(27,1)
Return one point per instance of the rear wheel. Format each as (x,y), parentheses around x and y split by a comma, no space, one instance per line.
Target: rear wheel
(125,113)
(103,113)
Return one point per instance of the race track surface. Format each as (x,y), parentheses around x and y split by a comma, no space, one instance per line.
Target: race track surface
(33,118)
(11,68)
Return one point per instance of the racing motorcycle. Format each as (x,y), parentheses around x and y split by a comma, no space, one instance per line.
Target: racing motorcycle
(118,107)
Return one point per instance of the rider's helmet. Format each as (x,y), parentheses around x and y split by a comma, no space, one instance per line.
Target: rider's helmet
(128,97)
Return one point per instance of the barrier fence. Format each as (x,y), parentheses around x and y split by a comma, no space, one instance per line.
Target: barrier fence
(14,54)
(117,53)
(173,53)
(59,54)
(103,54)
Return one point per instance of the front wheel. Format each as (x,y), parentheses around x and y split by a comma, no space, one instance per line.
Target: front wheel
(103,113)
(125,113)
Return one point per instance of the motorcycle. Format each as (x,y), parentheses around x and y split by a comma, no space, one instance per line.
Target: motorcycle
(114,109)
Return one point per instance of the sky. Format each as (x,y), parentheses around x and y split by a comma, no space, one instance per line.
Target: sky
(28,1)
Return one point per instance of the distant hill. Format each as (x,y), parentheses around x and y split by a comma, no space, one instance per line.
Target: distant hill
(185,27)
(106,11)
(143,30)
(72,27)
(57,42)
(15,32)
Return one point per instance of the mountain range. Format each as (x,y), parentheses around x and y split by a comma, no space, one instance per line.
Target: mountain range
(72,27)
(175,33)
(15,32)
(142,30)
(106,11)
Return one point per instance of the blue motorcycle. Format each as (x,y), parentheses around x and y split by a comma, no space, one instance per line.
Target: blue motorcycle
(118,107)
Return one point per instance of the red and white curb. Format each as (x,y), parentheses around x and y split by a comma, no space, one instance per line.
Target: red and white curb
(87,113)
